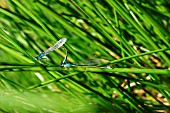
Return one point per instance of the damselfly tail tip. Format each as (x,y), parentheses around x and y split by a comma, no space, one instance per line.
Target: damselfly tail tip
(108,67)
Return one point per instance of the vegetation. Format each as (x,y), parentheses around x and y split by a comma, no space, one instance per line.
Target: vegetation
(131,39)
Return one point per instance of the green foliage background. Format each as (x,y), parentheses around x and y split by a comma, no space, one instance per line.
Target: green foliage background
(132,37)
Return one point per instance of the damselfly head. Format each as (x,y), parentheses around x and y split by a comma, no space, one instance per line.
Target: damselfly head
(36,58)
(61,64)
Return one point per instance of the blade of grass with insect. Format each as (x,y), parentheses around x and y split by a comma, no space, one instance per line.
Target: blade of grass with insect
(130,37)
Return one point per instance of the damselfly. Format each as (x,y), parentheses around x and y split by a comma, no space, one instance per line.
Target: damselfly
(55,46)
(91,62)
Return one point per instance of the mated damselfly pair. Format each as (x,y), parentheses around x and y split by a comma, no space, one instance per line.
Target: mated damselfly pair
(65,63)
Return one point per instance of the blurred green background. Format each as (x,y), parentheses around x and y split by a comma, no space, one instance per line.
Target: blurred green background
(132,37)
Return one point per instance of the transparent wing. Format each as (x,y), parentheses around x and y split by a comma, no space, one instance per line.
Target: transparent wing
(91,62)
(56,45)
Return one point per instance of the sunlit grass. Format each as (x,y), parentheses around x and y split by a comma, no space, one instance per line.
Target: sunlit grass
(130,37)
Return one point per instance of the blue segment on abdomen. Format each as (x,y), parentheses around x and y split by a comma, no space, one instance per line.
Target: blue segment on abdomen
(41,55)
